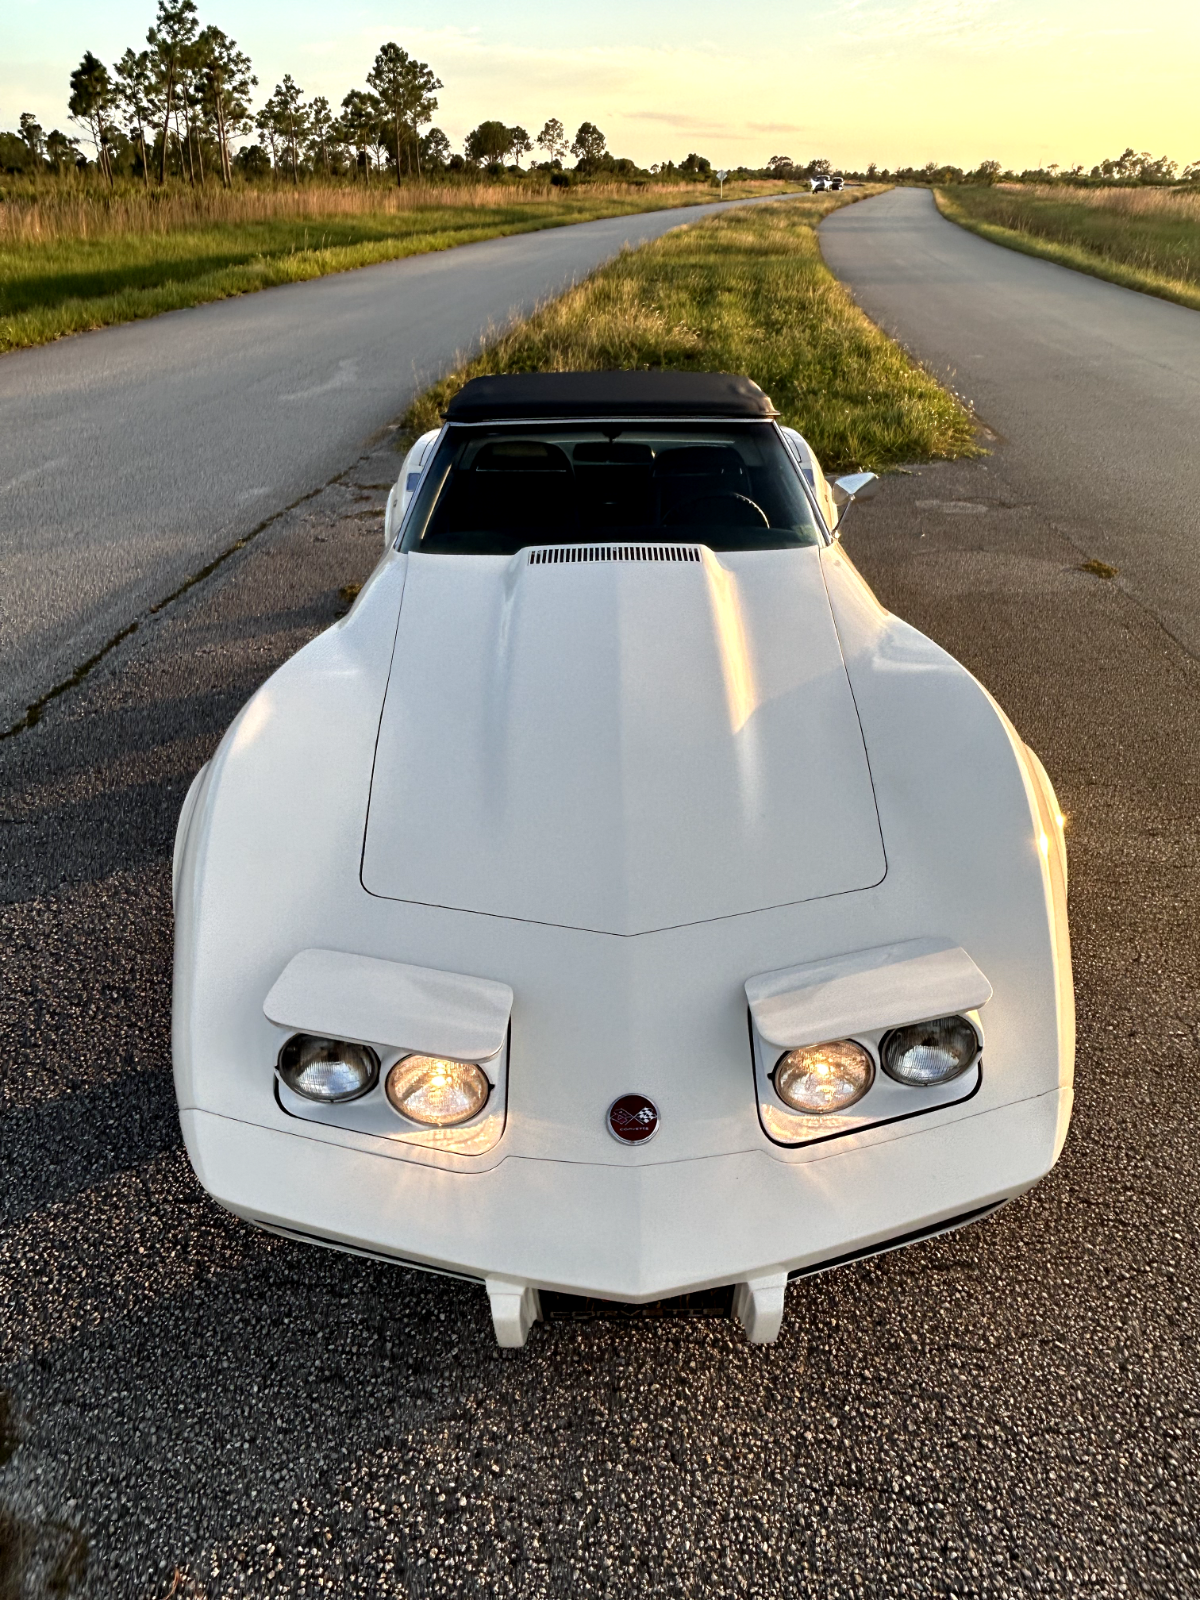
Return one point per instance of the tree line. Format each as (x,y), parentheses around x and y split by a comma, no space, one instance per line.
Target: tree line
(1129,167)
(181,108)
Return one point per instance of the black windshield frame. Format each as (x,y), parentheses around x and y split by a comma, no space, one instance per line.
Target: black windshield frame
(500,487)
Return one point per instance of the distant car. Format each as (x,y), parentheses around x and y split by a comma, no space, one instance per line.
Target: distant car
(618,900)
(817,184)
(837,183)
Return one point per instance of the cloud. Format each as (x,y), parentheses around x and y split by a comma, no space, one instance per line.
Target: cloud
(711,129)
(977,25)
(638,93)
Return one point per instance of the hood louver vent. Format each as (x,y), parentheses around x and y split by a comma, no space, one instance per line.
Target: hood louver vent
(555,554)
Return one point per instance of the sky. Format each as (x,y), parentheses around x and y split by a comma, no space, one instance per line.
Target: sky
(897,82)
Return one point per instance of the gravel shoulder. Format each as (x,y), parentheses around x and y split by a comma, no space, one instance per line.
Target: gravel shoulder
(193,1408)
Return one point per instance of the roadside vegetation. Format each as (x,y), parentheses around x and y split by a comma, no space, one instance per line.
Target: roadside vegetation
(1144,238)
(745,291)
(68,263)
(173,189)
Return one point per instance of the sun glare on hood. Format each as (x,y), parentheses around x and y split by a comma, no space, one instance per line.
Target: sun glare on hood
(730,632)
(620,745)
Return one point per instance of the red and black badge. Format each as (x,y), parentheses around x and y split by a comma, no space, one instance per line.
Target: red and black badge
(633,1119)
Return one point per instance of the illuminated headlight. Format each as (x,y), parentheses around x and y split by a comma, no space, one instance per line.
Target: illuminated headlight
(437,1092)
(929,1053)
(824,1077)
(327,1070)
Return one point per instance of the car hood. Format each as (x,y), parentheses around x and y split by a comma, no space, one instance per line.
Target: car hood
(619,743)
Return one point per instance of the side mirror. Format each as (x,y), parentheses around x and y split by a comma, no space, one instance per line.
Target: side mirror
(854,486)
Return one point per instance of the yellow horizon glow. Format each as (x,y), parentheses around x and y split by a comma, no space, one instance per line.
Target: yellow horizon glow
(956,81)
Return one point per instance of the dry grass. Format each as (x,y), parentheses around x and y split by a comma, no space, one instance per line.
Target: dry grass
(1142,238)
(66,212)
(743,292)
(1150,201)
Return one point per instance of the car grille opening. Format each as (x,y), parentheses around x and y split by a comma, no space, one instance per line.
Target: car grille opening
(559,1307)
(555,555)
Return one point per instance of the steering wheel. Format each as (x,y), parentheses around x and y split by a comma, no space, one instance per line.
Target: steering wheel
(718,510)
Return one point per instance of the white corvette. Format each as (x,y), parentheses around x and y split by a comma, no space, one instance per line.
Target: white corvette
(619,901)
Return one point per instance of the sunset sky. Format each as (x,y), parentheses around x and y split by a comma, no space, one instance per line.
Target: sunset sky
(853,80)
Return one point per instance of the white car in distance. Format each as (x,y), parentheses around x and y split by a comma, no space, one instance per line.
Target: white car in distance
(618,901)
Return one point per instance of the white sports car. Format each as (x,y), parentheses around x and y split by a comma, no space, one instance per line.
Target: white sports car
(619,901)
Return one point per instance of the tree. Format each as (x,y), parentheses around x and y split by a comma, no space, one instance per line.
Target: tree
(434,150)
(490,141)
(589,144)
(190,106)
(320,131)
(225,83)
(284,122)
(267,124)
(253,160)
(553,140)
(1161,171)
(170,40)
(30,132)
(407,92)
(519,143)
(133,83)
(91,100)
(359,123)
(293,119)
(781,166)
(14,153)
(988,171)
(699,166)
(61,150)
(1142,168)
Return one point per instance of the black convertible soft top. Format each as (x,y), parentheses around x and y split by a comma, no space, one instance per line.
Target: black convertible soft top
(553,396)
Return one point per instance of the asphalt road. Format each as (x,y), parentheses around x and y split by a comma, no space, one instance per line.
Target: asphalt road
(1096,387)
(132,456)
(188,1407)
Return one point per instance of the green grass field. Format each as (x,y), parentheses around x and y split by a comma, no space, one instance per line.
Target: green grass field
(1147,238)
(744,292)
(72,261)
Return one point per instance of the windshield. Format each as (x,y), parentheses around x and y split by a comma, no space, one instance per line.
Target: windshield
(494,490)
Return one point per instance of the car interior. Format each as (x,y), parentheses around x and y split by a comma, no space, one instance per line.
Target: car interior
(497,491)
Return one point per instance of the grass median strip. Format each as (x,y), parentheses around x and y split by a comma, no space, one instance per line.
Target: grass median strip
(744,292)
(70,262)
(1143,238)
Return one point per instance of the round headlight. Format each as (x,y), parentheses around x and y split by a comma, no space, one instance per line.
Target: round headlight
(824,1077)
(328,1070)
(929,1053)
(436,1092)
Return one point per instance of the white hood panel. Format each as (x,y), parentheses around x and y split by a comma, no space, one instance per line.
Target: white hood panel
(619,746)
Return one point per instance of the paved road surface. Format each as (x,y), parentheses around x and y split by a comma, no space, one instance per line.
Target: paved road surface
(130,457)
(188,1407)
(1096,387)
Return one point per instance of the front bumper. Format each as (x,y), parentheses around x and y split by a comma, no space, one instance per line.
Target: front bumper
(626,1233)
